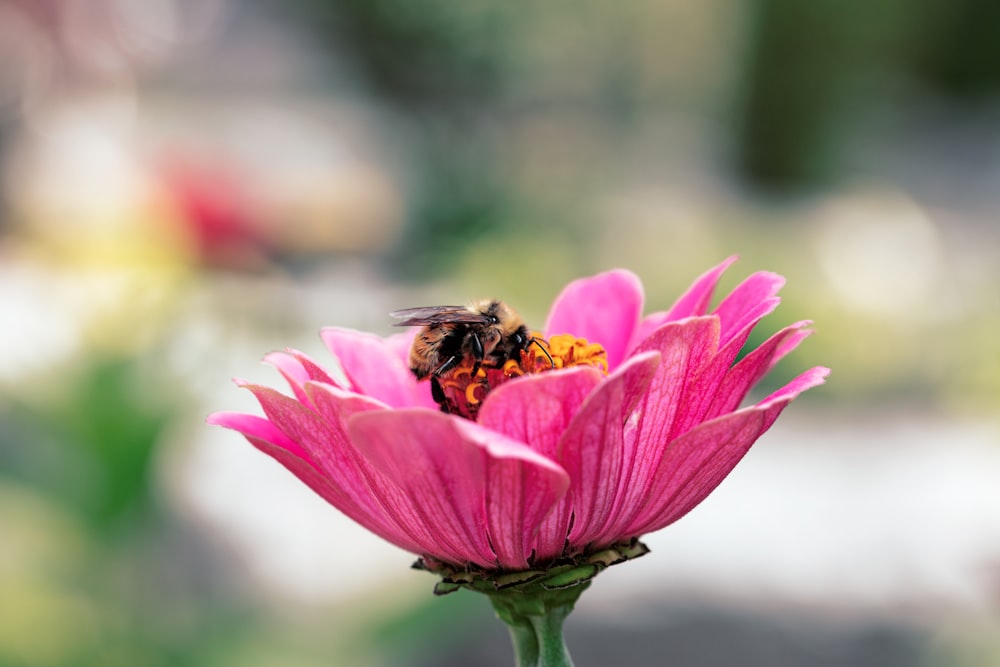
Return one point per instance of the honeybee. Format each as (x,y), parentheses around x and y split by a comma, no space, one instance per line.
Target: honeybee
(487,331)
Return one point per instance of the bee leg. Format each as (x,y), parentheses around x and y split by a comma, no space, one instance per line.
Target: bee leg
(544,351)
(449,363)
(437,393)
(478,353)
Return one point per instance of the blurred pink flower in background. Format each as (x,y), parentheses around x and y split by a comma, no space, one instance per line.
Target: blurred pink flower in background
(556,464)
(215,208)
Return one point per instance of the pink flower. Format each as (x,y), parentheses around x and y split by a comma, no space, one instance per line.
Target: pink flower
(559,463)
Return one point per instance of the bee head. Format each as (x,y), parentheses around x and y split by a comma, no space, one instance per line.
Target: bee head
(520,338)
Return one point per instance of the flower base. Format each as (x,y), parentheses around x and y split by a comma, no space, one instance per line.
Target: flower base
(534,603)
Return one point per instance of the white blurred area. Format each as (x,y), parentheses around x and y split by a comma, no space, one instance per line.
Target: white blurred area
(882,253)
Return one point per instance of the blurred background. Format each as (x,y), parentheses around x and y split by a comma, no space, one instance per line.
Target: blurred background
(186,185)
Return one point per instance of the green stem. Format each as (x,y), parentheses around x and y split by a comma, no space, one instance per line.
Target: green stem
(525,645)
(549,630)
(536,625)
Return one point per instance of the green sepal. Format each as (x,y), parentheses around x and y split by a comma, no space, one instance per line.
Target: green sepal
(633,550)
(461,578)
(445,587)
(572,577)
(509,579)
(607,558)
(566,572)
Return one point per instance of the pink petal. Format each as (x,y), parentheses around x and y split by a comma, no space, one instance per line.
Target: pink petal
(536,409)
(683,381)
(325,440)
(266,437)
(697,462)
(603,309)
(597,449)
(328,446)
(399,344)
(693,303)
(335,406)
(373,367)
(291,370)
(811,378)
(749,301)
(253,426)
(479,495)
(694,465)
(686,349)
(313,371)
(324,435)
(792,341)
(297,369)
(742,377)
(742,312)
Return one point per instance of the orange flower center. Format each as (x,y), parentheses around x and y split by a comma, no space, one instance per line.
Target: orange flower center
(464,393)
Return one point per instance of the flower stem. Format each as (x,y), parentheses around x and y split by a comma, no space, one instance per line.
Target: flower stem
(536,625)
(525,645)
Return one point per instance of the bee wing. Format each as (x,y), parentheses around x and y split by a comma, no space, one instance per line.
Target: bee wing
(426,315)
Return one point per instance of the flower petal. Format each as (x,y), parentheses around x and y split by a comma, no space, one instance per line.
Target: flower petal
(598,448)
(399,344)
(253,426)
(603,309)
(297,369)
(749,301)
(366,497)
(811,378)
(293,372)
(740,311)
(325,440)
(535,410)
(686,349)
(269,439)
(697,462)
(693,303)
(336,407)
(263,435)
(373,367)
(742,377)
(682,383)
(480,495)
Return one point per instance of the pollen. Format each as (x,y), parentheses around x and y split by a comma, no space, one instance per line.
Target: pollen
(464,393)
(566,351)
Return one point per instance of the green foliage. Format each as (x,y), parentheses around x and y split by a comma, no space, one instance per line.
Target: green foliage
(88,443)
(430,54)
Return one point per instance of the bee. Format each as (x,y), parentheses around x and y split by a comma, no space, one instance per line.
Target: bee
(487,331)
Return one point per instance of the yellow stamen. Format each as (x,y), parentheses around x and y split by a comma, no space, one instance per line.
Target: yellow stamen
(566,351)
(471,391)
